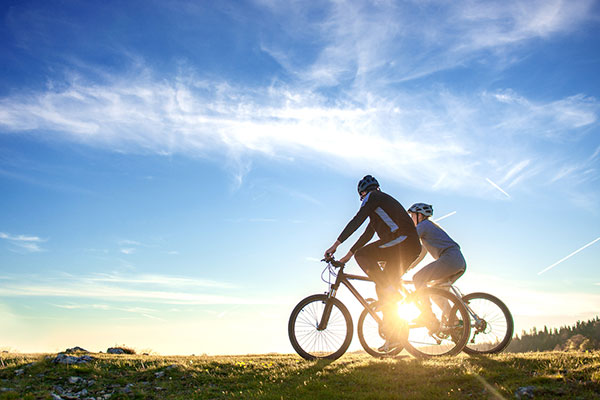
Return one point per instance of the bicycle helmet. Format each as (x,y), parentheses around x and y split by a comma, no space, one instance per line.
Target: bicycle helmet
(425,209)
(367,184)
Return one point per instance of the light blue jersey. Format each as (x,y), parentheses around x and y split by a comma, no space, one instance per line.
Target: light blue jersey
(435,239)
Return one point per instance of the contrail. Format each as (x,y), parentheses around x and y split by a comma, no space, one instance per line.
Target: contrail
(445,216)
(569,256)
(497,187)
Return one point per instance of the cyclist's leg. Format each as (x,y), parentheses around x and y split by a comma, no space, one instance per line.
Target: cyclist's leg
(367,258)
(397,259)
(445,267)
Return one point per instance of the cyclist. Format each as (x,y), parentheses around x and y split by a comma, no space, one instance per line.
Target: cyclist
(449,261)
(398,246)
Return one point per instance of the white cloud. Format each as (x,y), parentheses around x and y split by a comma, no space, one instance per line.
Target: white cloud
(25,243)
(400,41)
(162,280)
(409,137)
(127,242)
(421,137)
(159,289)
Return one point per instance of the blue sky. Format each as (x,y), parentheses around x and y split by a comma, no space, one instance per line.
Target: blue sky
(172,171)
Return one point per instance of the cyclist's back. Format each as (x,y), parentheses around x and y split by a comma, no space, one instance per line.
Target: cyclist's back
(449,261)
(387,218)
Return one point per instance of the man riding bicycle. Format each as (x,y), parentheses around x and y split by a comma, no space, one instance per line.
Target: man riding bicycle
(398,245)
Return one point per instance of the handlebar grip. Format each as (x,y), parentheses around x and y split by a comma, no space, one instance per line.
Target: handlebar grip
(333,262)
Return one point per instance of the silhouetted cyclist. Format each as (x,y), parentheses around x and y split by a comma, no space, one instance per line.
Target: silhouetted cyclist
(398,246)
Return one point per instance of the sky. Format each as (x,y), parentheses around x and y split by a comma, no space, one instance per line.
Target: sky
(171,172)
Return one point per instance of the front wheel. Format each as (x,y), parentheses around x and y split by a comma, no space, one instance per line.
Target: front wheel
(492,328)
(371,335)
(308,340)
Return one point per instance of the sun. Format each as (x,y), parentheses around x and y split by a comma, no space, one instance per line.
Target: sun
(408,311)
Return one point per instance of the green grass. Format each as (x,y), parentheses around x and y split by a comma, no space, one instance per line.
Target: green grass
(572,375)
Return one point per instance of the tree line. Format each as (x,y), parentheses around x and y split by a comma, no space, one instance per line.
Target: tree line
(582,336)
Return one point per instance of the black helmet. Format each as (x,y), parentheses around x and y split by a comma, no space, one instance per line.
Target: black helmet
(367,184)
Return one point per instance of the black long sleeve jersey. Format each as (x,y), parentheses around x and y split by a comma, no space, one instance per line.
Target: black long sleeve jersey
(387,218)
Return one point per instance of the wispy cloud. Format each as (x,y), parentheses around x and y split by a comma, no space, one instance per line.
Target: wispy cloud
(140,311)
(30,244)
(454,33)
(160,289)
(158,280)
(409,137)
(129,247)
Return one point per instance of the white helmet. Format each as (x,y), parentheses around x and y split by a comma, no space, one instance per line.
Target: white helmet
(425,209)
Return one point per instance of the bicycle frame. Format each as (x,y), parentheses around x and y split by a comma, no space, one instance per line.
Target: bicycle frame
(456,291)
(343,278)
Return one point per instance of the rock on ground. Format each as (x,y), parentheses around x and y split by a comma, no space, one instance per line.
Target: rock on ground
(66,359)
(525,392)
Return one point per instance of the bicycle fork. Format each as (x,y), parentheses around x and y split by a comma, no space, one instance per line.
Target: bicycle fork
(333,288)
(327,310)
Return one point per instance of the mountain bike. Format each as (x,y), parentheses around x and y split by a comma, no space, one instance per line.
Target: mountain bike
(320,326)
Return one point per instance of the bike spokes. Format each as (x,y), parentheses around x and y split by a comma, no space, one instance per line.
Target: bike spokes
(310,339)
(492,324)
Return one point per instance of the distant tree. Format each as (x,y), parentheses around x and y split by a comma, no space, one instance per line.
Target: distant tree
(584,336)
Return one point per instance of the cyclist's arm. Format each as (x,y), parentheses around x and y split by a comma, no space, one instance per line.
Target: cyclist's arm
(363,239)
(365,210)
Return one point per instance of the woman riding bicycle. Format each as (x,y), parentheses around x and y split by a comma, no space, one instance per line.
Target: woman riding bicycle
(449,261)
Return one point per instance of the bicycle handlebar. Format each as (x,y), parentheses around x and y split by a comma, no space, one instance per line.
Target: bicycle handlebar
(333,262)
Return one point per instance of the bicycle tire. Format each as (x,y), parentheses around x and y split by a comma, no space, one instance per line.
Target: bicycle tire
(498,324)
(311,343)
(452,335)
(371,336)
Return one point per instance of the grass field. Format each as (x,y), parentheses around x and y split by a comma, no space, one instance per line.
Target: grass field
(549,375)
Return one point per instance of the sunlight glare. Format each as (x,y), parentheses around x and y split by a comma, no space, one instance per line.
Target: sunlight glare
(408,311)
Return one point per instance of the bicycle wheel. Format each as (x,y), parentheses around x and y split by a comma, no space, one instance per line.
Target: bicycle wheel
(492,331)
(450,335)
(371,336)
(310,342)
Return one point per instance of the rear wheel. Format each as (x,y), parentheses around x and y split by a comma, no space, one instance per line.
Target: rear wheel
(308,340)
(447,335)
(492,331)
(371,335)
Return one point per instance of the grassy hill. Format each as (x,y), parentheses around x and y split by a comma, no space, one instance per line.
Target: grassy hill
(549,375)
